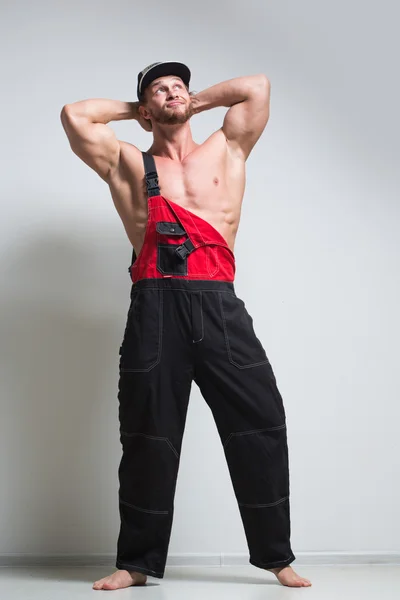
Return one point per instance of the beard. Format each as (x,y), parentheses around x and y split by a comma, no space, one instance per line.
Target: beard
(171,115)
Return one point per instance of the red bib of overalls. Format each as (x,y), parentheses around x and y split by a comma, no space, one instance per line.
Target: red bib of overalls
(177,242)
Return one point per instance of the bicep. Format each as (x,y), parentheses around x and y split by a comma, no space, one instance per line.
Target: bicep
(95,143)
(245,121)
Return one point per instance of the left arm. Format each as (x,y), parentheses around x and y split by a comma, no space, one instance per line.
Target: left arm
(249,101)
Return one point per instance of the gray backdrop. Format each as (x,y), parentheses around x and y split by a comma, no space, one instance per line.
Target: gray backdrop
(317,257)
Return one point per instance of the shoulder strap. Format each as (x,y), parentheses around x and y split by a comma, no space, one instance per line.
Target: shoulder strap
(151,175)
(151,178)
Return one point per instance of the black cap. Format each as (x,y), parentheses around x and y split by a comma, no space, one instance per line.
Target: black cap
(161,69)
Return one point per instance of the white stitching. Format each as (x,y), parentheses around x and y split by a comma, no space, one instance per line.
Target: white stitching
(273,562)
(209,249)
(234,433)
(151,437)
(202,326)
(263,505)
(146,510)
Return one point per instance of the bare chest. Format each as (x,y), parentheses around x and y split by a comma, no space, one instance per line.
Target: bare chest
(209,184)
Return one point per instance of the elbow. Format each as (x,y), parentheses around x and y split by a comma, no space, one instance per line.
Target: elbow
(260,87)
(68,116)
(65,112)
(68,111)
(263,82)
(65,109)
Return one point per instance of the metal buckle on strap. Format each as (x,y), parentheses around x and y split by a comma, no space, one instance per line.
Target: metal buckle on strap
(184,249)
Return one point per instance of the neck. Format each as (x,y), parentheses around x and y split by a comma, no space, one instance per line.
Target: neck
(172,141)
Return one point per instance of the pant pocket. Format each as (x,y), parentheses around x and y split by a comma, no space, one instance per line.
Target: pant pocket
(244,349)
(142,342)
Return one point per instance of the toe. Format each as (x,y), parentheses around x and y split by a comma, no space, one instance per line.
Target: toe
(108,586)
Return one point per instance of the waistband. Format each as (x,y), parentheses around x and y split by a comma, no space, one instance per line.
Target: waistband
(189,285)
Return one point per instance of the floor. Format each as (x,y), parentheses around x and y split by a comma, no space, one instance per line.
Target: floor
(347,582)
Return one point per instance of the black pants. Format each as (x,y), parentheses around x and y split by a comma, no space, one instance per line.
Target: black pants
(178,331)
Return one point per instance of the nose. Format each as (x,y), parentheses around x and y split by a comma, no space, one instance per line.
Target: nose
(172,94)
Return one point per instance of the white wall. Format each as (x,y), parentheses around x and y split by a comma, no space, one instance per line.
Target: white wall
(317,254)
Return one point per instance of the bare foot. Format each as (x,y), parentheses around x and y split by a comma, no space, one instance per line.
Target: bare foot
(120,579)
(288,577)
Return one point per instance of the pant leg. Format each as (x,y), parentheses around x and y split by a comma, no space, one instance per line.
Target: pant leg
(237,381)
(154,387)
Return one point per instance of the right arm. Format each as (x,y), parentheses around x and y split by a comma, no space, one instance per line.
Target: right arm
(90,138)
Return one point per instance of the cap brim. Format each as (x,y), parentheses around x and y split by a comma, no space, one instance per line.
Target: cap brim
(163,70)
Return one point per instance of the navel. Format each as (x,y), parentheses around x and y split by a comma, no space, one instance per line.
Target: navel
(216,180)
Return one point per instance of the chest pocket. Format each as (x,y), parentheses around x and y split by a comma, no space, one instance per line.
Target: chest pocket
(170,237)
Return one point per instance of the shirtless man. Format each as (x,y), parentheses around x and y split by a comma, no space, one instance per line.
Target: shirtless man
(208,180)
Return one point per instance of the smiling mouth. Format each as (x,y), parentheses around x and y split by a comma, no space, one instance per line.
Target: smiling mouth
(174,104)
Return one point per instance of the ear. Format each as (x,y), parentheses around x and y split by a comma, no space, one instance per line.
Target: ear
(144,118)
(143,111)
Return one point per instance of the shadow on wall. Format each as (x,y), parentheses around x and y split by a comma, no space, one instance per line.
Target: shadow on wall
(62,322)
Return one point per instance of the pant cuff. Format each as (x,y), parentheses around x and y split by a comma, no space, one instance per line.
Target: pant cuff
(139,569)
(273,564)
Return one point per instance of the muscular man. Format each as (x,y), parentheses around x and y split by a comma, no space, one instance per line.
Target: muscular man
(180,205)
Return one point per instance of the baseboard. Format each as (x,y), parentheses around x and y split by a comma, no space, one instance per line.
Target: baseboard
(202,560)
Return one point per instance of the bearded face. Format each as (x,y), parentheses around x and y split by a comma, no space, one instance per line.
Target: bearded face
(168,101)
(173,114)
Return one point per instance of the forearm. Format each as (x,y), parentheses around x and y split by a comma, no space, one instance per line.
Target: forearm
(227,93)
(102,110)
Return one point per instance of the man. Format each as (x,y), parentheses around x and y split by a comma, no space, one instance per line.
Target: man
(180,205)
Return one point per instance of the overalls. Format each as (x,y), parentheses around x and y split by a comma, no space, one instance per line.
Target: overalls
(186,323)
